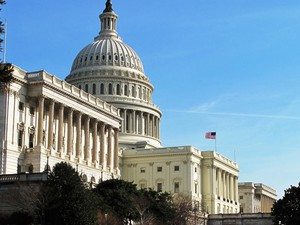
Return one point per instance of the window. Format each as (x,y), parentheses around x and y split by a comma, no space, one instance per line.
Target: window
(91,58)
(94,89)
(241,197)
(159,169)
(30,144)
(110,90)
(31,110)
(196,188)
(85,59)
(97,57)
(102,89)
(125,90)
(118,89)
(176,187)
(195,169)
(79,86)
(159,187)
(86,88)
(143,169)
(103,57)
(176,168)
(20,138)
(109,57)
(21,106)
(116,57)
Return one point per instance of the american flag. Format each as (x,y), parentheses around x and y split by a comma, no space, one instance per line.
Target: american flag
(210,135)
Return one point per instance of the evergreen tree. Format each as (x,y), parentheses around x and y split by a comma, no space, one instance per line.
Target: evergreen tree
(287,209)
(66,200)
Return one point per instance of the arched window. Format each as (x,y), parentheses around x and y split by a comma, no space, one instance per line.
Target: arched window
(118,89)
(125,90)
(102,89)
(86,88)
(94,89)
(110,89)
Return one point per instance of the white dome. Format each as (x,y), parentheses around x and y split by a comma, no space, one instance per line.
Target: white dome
(107,52)
(111,70)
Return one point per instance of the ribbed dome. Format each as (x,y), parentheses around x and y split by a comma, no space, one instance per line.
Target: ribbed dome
(107,49)
(107,52)
(111,70)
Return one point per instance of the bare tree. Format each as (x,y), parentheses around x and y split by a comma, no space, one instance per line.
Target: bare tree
(188,212)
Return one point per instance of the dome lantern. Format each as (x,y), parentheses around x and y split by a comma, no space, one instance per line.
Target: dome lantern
(108,21)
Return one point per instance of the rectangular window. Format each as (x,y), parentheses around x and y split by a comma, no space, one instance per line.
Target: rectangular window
(20,138)
(176,168)
(159,169)
(21,106)
(176,187)
(241,197)
(30,144)
(143,169)
(196,188)
(31,110)
(159,187)
(195,169)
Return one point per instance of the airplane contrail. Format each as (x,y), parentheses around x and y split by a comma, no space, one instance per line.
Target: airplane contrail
(237,114)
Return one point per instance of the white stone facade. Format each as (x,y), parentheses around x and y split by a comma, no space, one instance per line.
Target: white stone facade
(186,170)
(46,120)
(103,122)
(256,197)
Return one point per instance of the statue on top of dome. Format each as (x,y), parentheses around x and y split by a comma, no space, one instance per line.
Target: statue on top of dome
(108,7)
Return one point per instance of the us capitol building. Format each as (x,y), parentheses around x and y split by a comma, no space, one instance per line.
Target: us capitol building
(101,120)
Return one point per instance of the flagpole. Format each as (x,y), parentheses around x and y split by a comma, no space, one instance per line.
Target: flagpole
(216,144)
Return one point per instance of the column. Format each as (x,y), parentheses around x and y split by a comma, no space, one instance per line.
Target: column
(95,142)
(152,129)
(231,187)
(227,186)
(236,193)
(87,139)
(224,184)
(41,121)
(155,127)
(109,148)
(133,122)
(70,133)
(78,135)
(102,147)
(60,127)
(50,128)
(143,123)
(158,128)
(148,124)
(116,150)
(220,182)
(125,121)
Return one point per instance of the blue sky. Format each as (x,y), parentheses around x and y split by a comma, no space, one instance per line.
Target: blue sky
(230,66)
